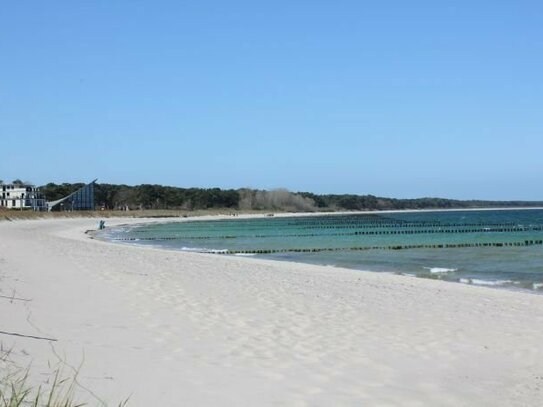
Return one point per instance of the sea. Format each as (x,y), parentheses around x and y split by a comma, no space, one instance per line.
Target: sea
(495,248)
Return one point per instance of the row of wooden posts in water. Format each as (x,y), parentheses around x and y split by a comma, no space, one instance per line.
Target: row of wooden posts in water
(393,247)
(357,233)
(392,222)
(409,225)
(364,226)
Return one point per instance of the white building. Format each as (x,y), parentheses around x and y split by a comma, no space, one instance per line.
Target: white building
(18,196)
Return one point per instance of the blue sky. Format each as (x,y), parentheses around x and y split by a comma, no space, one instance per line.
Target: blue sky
(391,98)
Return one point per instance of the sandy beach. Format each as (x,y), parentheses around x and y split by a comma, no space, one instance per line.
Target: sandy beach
(172,328)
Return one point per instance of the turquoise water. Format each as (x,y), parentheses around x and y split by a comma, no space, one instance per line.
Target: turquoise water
(496,248)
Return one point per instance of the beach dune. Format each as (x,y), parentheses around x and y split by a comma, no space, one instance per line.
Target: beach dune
(170,328)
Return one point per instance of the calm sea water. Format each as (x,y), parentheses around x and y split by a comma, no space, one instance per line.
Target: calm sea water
(501,248)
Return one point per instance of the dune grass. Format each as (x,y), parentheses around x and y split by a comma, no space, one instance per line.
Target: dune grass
(56,391)
(15,391)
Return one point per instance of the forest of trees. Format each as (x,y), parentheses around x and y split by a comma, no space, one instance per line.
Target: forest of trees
(146,196)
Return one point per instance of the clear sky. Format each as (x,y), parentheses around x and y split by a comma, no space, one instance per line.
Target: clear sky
(391,98)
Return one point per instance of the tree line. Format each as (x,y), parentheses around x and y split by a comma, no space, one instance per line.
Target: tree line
(147,196)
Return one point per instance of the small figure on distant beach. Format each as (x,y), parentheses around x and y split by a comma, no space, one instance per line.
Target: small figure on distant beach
(102,224)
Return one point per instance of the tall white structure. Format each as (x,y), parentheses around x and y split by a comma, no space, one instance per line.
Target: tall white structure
(19,196)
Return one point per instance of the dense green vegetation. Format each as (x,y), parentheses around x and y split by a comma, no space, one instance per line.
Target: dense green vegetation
(110,196)
(361,202)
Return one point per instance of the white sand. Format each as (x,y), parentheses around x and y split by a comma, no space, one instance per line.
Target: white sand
(187,329)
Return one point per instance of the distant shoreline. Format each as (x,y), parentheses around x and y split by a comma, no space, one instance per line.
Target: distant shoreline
(303,214)
(172,214)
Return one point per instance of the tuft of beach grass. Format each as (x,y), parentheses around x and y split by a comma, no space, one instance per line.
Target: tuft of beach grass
(15,391)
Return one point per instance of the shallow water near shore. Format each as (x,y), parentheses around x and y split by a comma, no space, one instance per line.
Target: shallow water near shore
(499,248)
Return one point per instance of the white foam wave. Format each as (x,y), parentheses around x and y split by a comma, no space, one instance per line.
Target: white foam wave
(203,250)
(477,281)
(435,270)
(537,286)
(244,254)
